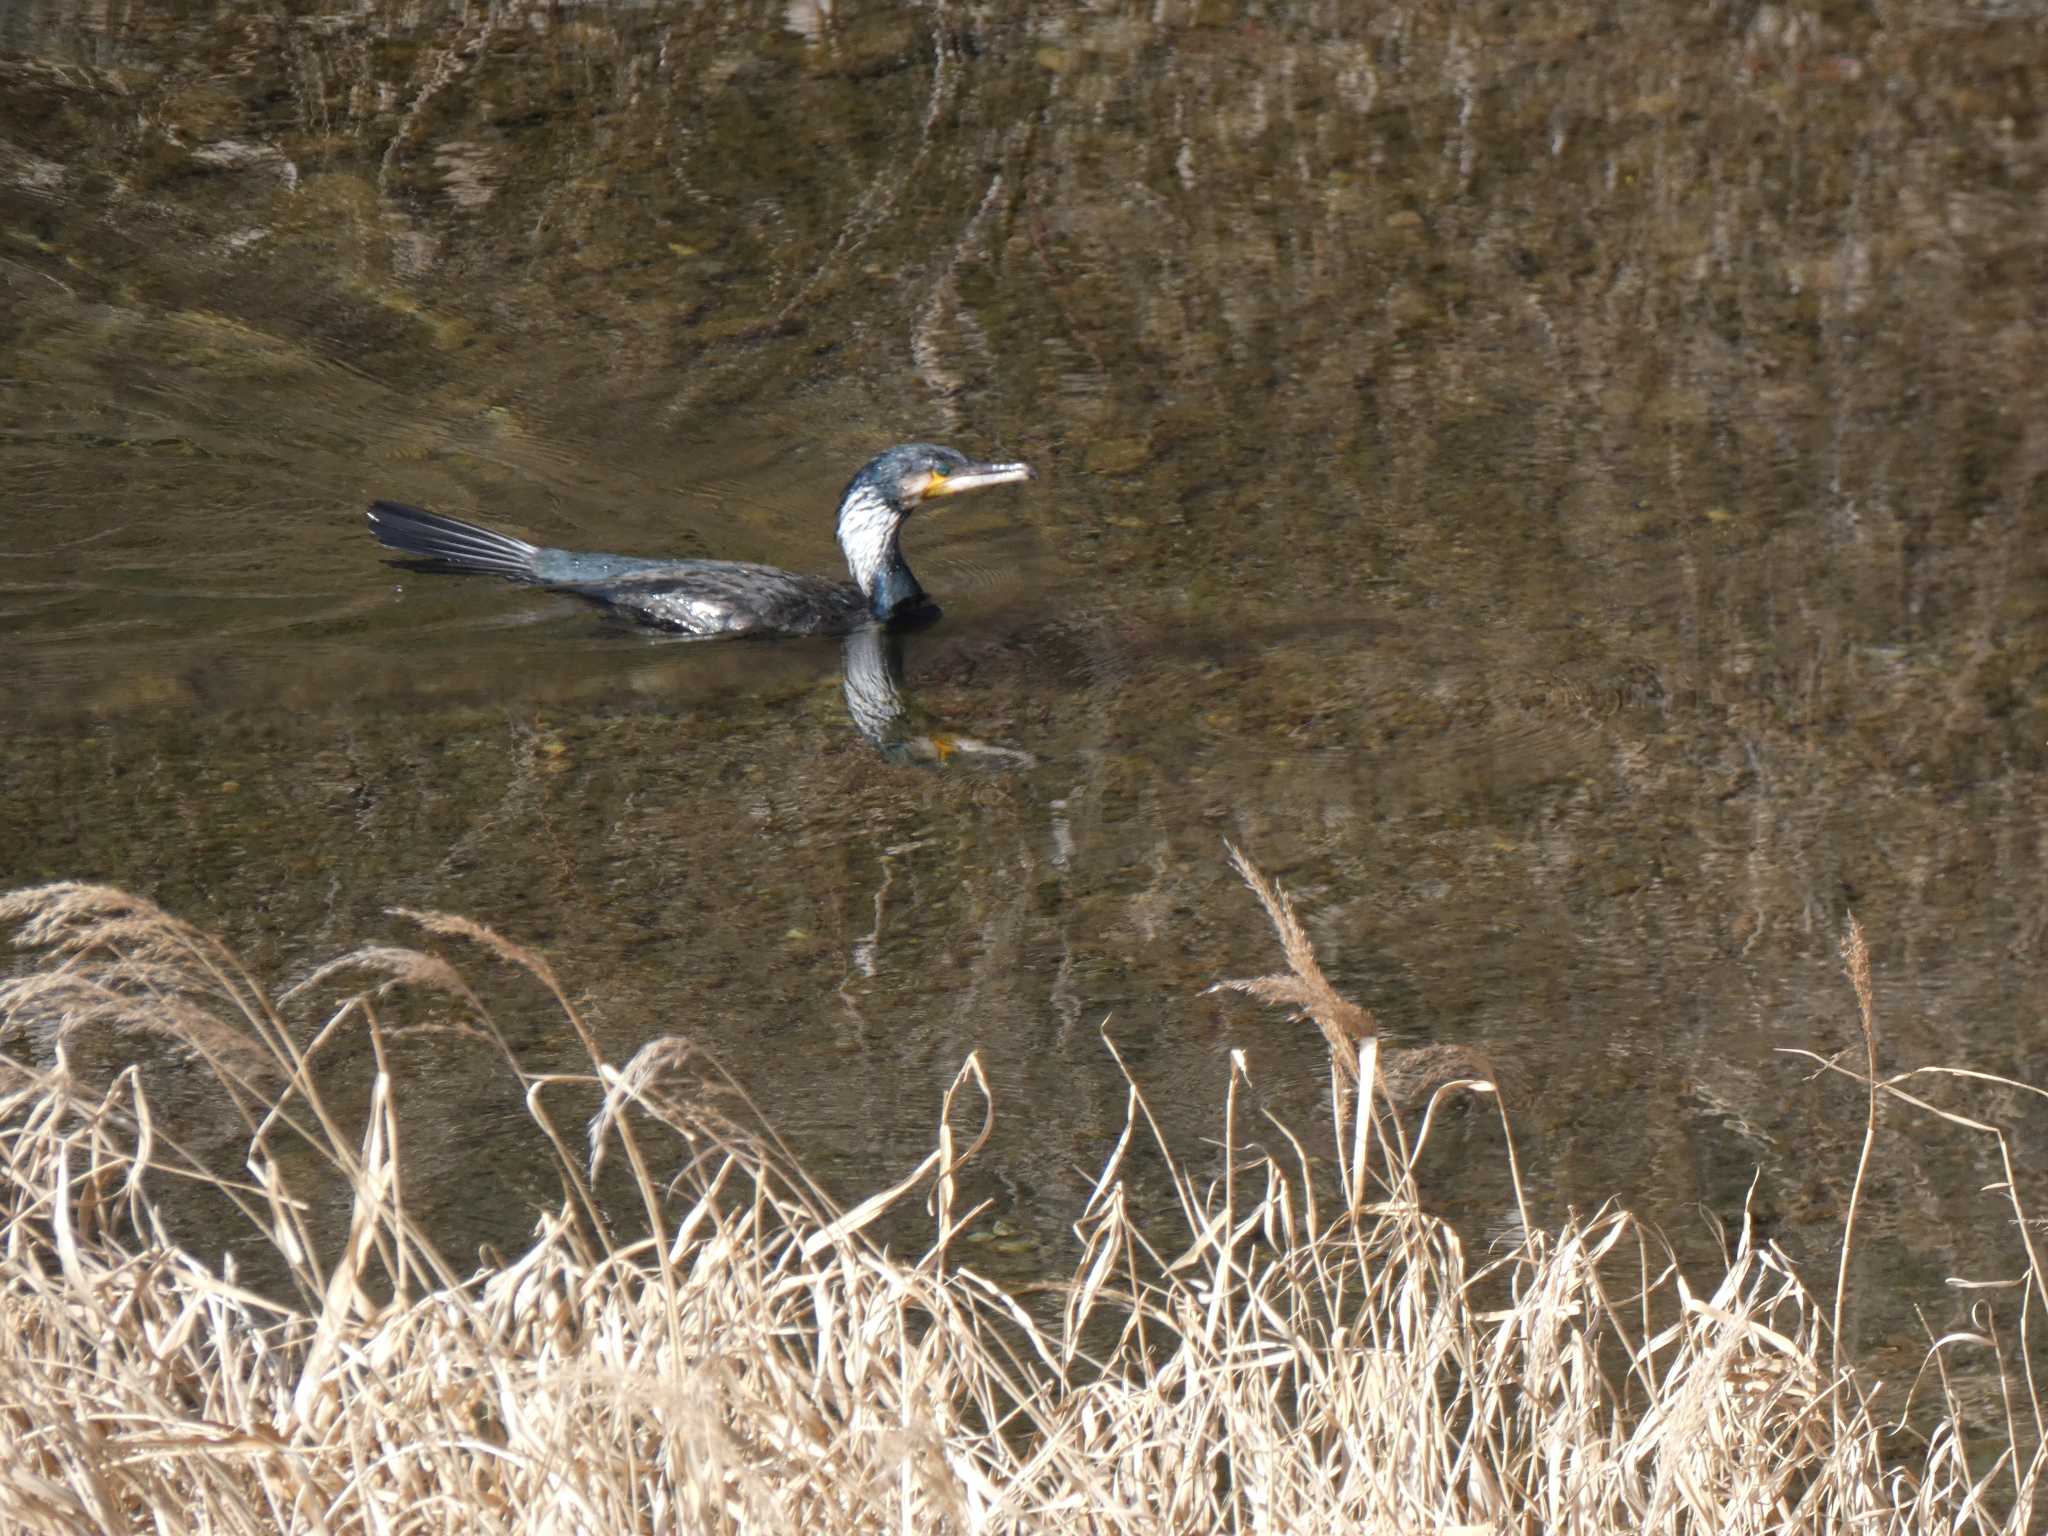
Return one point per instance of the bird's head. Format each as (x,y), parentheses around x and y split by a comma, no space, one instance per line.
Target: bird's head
(887,490)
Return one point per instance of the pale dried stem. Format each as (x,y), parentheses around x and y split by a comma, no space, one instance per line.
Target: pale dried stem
(744,1357)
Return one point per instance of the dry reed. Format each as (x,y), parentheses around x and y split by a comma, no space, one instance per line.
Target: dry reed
(740,1356)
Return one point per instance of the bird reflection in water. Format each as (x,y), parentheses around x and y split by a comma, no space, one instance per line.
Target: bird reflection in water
(902,730)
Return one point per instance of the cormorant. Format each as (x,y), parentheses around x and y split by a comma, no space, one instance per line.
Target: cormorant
(711,599)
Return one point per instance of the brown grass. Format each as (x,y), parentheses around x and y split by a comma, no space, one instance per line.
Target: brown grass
(739,1356)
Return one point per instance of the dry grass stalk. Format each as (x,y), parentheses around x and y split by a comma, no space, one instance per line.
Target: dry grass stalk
(1407,1079)
(1856,965)
(745,1359)
(1302,986)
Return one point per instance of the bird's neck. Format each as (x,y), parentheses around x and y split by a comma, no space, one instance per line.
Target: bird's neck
(896,595)
(867,536)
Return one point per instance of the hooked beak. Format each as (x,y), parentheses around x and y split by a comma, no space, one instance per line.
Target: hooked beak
(972,477)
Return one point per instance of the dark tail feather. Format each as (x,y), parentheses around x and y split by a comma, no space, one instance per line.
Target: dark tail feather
(447,541)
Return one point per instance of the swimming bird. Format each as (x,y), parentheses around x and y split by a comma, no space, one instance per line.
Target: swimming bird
(712,599)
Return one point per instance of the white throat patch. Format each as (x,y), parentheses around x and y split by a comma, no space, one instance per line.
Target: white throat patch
(867,536)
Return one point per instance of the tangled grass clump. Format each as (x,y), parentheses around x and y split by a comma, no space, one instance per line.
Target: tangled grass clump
(1305,1352)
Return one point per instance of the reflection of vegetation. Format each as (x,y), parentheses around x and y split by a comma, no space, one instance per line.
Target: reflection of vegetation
(1322,1356)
